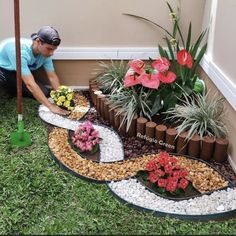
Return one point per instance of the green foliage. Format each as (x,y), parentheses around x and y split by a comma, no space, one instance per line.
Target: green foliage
(169,94)
(199,114)
(132,101)
(110,76)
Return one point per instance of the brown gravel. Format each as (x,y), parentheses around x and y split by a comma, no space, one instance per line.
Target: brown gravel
(80,100)
(204,178)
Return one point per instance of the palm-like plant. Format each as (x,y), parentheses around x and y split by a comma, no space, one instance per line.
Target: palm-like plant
(110,76)
(199,115)
(132,102)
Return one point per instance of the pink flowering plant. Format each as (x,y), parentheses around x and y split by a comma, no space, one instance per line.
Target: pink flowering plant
(167,175)
(174,73)
(149,76)
(86,138)
(152,87)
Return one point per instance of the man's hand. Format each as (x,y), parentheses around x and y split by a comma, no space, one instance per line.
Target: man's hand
(55,109)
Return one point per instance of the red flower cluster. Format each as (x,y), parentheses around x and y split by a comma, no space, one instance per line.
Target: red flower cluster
(166,173)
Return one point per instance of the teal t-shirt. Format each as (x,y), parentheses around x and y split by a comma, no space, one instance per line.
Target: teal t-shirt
(29,62)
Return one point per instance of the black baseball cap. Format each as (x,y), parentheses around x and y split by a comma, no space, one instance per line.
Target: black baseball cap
(47,34)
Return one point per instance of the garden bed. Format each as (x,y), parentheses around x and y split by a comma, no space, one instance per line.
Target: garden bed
(120,174)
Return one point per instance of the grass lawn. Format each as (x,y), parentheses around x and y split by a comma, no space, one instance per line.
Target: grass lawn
(38,197)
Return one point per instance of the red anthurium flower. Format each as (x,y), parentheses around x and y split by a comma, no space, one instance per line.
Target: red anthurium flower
(162,64)
(184,58)
(137,65)
(167,79)
(131,79)
(150,80)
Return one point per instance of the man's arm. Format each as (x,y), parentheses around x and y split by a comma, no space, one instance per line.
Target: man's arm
(39,95)
(53,79)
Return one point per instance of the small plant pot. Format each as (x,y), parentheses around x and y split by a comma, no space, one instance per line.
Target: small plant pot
(93,155)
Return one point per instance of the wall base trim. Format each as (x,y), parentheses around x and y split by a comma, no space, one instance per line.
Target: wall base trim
(222,82)
(77,88)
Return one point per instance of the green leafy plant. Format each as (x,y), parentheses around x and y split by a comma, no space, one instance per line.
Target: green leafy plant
(199,115)
(63,97)
(132,102)
(184,56)
(167,174)
(110,76)
(153,87)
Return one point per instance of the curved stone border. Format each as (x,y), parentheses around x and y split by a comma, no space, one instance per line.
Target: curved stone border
(218,205)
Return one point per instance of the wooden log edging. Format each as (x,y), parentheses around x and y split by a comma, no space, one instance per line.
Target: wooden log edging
(165,138)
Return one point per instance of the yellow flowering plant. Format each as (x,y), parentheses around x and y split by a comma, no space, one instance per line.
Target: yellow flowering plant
(63,97)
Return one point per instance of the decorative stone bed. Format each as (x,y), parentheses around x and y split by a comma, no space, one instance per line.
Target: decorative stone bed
(121,159)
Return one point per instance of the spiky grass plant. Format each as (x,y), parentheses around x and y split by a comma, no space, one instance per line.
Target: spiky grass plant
(199,114)
(110,76)
(132,102)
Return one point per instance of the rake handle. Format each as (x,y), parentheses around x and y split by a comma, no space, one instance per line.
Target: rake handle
(18,56)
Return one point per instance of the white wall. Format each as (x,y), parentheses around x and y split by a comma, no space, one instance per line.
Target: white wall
(99,23)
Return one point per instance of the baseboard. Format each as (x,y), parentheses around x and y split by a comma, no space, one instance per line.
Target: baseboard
(224,84)
(77,88)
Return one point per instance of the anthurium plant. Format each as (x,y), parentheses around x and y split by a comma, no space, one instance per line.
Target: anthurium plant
(174,73)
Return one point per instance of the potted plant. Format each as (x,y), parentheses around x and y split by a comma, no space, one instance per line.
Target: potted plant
(86,138)
(183,57)
(63,97)
(165,177)
(199,114)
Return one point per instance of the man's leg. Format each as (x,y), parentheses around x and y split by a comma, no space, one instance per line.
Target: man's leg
(8,79)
